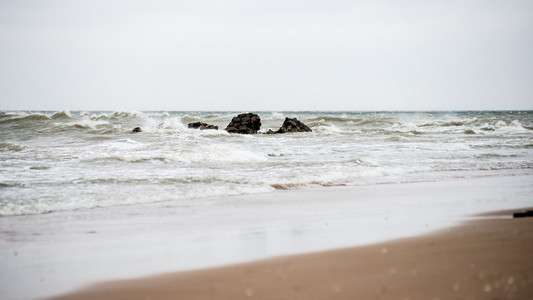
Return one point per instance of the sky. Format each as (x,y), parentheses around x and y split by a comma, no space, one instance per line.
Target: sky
(271,55)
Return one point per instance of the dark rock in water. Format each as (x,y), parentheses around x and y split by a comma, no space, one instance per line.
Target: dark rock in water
(523,214)
(247,123)
(202,126)
(293,125)
(137,129)
(270,132)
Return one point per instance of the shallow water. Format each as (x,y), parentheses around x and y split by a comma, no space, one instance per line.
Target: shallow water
(57,161)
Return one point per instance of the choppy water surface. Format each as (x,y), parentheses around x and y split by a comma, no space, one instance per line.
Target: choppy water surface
(53,161)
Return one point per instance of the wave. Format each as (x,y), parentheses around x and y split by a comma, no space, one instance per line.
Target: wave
(93,122)
(402,122)
(318,122)
(25,118)
(40,168)
(334,117)
(4,185)
(495,155)
(168,181)
(115,116)
(327,129)
(455,123)
(372,122)
(125,114)
(134,152)
(466,127)
(416,124)
(140,181)
(500,126)
(163,190)
(11,147)
(95,116)
(128,158)
(443,124)
(62,115)
(277,116)
(168,123)
(290,186)
(8,115)
(88,124)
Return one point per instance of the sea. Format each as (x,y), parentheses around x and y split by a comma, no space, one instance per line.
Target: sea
(54,161)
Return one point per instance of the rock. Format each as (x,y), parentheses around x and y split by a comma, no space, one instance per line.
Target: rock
(247,123)
(293,125)
(137,129)
(202,126)
(523,214)
(270,132)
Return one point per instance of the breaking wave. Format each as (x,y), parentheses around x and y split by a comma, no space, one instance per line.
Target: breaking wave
(24,118)
(61,115)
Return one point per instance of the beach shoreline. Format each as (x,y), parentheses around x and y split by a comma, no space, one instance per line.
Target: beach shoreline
(478,259)
(56,253)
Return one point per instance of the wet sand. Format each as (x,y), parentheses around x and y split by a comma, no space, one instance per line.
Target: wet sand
(57,253)
(487,258)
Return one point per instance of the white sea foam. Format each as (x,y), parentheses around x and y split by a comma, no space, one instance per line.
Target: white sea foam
(277,116)
(327,129)
(167,123)
(126,114)
(226,153)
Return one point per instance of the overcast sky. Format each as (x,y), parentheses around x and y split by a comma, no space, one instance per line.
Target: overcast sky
(266,55)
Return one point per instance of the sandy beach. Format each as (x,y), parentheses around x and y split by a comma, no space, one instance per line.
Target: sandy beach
(421,240)
(483,259)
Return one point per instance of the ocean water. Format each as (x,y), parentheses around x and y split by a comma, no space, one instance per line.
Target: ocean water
(61,161)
